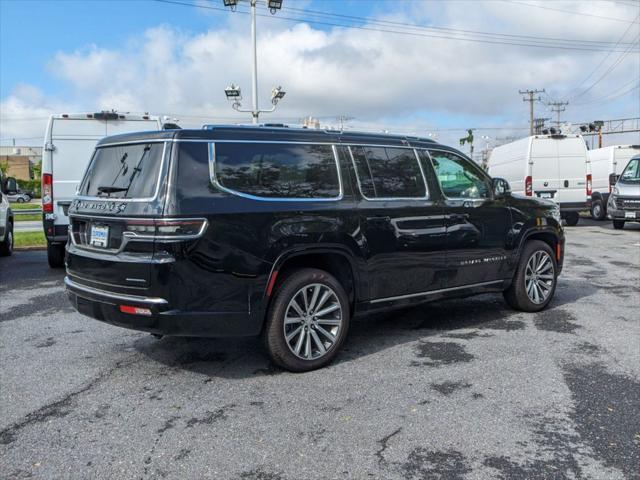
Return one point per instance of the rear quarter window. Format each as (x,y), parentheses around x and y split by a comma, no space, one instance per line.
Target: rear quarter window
(273,170)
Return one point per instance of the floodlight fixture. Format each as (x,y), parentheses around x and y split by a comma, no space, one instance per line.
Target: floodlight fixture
(277,94)
(233,92)
(230,3)
(274,6)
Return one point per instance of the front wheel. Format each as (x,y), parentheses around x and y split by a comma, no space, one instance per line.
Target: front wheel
(20,200)
(55,255)
(572,218)
(6,246)
(307,321)
(618,224)
(535,280)
(597,210)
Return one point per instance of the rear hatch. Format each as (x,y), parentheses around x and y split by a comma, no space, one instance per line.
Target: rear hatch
(560,169)
(113,220)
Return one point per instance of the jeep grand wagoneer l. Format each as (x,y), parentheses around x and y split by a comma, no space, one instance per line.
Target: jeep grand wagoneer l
(290,233)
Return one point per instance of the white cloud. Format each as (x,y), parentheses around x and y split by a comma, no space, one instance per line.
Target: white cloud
(379,78)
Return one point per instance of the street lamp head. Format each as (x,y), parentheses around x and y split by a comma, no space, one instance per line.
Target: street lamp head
(233,92)
(274,6)
(277,94)
(230,3)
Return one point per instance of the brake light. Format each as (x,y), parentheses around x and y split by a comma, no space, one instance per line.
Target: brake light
(528,186)
(47,193)
(166,229)
(589,185)
(134,310)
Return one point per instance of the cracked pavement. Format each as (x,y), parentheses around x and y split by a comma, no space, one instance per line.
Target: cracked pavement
(463,389)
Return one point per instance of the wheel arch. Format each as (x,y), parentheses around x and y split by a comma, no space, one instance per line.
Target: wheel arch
(548,236)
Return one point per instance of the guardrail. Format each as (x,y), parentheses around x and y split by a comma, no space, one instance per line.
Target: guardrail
(29,211)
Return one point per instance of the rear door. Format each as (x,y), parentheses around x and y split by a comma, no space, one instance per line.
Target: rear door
(544,168)
(403,226)
(572,171)
(73,141)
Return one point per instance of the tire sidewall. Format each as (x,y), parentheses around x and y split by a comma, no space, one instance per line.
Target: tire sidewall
(274,331)
(597,210)
(521,288)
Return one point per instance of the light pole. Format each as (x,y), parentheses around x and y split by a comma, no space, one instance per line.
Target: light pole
(233,92)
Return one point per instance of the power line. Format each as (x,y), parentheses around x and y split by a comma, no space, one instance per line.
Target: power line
(400,32)
(571,12)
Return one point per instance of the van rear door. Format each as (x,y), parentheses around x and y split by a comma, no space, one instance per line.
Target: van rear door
(544,168)
(572,171)
(73,141)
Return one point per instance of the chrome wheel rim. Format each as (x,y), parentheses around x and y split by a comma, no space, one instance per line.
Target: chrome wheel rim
(539,277)
(312,321)
(597,210)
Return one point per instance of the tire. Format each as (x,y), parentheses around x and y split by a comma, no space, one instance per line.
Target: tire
(572,218)
(518,295)
(20,200)
(6,246)
(598,211)
(55,255)
(618,224)
(314,334)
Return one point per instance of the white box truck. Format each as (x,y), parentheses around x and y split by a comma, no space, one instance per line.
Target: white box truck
(606,163)
(547,166)
(69,142)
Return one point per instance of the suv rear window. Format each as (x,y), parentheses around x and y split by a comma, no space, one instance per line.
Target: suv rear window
(388,173)
(123,171)
(274,170)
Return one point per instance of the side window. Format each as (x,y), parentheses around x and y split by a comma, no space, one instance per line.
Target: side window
(458,177)
(273,170)
(386,172)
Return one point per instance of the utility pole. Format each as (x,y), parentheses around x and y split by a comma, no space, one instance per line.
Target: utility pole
(530,99)
(558,107)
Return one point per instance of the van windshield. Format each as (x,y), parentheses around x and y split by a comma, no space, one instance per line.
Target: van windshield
(631,174)
(123,171)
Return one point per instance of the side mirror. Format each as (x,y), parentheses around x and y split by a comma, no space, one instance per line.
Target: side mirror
(501,188)
(613,179)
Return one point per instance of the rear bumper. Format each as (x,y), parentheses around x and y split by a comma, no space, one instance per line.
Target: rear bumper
(573,206)
(104,305)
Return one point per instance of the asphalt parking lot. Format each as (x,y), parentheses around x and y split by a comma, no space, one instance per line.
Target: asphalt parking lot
(464,389)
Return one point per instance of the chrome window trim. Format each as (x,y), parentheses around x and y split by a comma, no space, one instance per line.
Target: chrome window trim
(161,171)
(71,285)
(432,292)
(389,199)
(133,142)
(464,199)
(214,180)
(134,237)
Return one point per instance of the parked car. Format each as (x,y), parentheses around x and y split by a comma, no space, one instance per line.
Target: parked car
(18,197)
(624,201)
(290,233)
(547,166)
(606,163)
(6,218)
(69,143)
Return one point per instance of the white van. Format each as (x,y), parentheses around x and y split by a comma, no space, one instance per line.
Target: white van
(68,146)
(547,166)
(606,163)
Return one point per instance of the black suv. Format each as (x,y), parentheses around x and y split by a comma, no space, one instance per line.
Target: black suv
(290,233)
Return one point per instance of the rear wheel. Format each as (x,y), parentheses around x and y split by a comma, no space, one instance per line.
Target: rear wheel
(20,200)
(597,210)
(307,321)
(6,246)
(572,218)
(534,283)
(55,255)
(618,224)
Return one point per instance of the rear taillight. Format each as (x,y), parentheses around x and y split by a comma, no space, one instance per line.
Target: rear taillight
(165,229)
(528,186)
(134,310)
(47,193)
(589,185)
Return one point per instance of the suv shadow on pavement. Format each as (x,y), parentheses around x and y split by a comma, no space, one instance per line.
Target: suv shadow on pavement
(245,357)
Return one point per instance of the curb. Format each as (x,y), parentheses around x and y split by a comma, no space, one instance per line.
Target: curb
(26,249)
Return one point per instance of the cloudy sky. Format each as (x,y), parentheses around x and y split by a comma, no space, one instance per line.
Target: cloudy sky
(413,66)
